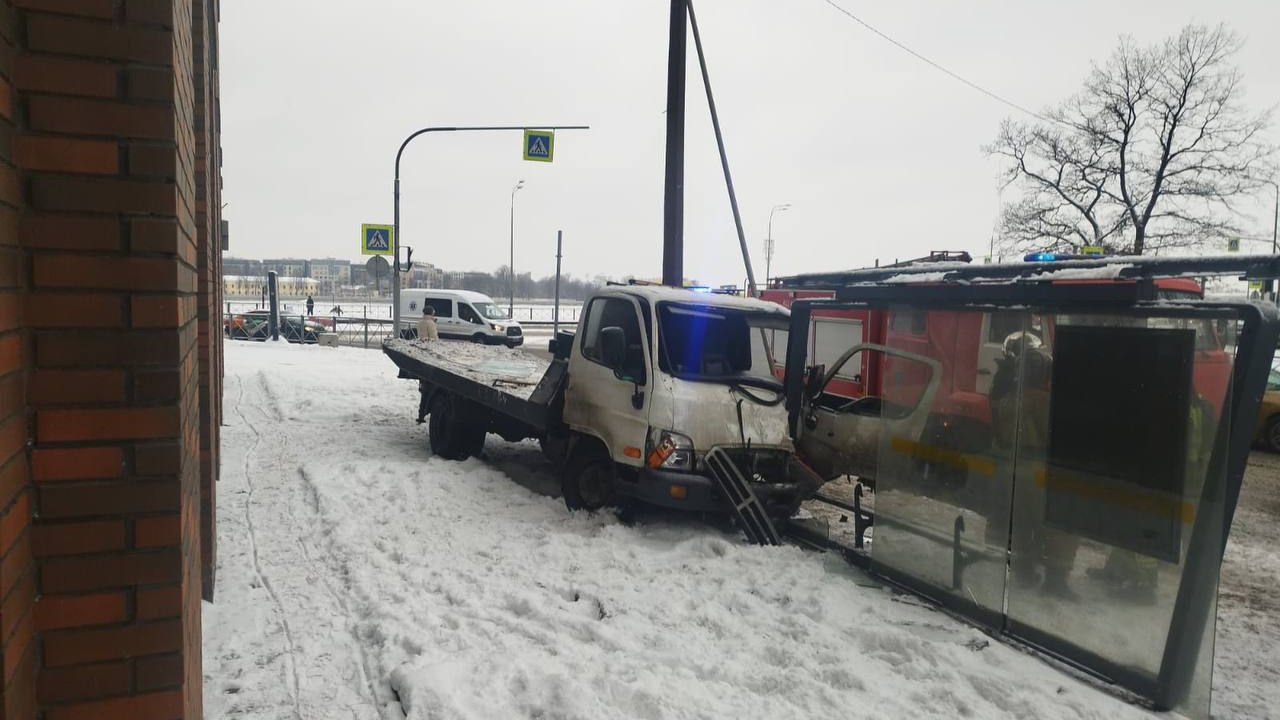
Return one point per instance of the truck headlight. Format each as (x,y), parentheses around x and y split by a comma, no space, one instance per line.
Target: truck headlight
(499,328)
(672,451)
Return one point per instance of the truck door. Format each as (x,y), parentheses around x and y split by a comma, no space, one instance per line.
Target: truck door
(838,436)
(610,403)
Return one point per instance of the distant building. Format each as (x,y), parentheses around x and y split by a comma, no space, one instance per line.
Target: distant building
(331,273)
(255,286)
(288,267)
(423,275)
(242,266)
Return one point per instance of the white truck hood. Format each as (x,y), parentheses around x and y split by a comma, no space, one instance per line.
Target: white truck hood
(707,412)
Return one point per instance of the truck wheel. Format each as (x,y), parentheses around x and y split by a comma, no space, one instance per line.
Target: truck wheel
(588,479)
(452,438)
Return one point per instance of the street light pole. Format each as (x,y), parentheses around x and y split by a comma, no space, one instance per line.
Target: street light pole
(768,242)
(511,266)
(395,268)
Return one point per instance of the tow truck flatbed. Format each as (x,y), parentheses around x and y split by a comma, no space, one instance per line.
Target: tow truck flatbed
(514,384)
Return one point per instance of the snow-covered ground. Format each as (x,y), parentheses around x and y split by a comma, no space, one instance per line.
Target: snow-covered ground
(360,577)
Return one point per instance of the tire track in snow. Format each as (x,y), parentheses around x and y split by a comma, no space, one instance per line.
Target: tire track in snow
(251,534)
(366,675)
(283,444)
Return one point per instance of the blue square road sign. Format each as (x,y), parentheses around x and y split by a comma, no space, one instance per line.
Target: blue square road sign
(539,145)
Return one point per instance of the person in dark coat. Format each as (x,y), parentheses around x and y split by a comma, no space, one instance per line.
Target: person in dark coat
(311,305)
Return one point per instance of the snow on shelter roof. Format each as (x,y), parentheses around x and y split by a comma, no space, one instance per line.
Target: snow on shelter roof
(1112,268)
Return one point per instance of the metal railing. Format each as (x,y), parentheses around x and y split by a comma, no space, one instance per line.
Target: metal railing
(364,331)
(528,313)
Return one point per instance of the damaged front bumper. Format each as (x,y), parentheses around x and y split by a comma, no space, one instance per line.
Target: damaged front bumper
(777,478)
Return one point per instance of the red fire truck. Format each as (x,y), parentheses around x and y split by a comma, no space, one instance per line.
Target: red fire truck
(966,347)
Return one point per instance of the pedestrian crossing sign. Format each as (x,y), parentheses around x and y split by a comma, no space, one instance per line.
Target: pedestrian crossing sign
(1094,250)
(377,239)
(1233,244)
(539,145)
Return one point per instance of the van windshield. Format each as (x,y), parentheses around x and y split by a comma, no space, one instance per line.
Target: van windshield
(490,311)
(715,344)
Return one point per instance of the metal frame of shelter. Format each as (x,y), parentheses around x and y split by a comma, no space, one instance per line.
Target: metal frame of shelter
(1127,289)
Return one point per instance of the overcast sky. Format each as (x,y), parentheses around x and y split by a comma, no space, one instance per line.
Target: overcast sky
(878,153)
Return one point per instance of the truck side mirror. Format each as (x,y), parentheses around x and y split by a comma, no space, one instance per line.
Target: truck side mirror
(613,348)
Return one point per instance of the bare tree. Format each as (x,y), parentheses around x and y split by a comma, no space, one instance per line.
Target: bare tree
(1064,177)
(1153,153)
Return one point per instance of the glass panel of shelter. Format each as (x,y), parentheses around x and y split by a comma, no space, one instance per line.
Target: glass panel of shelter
(1114,493)
(1056,487)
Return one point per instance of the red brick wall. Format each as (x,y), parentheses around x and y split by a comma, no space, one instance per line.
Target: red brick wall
(110,354)
(17,571)
(208,232)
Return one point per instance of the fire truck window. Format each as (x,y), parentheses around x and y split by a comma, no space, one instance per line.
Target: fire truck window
(1004,324)
(907,321)
(831,338)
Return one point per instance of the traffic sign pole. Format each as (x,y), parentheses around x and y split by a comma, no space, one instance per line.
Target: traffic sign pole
(555,318)
(395,265)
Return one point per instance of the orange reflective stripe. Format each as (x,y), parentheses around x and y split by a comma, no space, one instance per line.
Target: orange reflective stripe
(944,456)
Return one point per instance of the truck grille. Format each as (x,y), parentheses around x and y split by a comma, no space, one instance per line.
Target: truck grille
(513,332)
(760,464)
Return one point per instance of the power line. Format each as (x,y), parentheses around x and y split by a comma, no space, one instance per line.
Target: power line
(938,67)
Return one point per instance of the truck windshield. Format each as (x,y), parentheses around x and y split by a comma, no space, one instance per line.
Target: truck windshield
(716,344)
(490,311)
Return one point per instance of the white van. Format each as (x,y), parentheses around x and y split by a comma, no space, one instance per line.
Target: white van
(462,314)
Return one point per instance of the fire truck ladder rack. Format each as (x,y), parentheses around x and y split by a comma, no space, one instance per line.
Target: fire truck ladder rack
(750,513)
(1249,267)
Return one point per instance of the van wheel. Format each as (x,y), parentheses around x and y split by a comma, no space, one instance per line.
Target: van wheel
(588,479)
(451,436)
(479,338)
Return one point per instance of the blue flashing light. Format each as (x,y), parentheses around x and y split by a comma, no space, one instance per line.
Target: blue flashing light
(1046,257)
(699,288)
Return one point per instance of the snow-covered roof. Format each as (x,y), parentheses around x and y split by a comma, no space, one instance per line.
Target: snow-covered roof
(663,293)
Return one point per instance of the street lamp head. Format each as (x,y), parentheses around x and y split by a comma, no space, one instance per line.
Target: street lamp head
(519,184)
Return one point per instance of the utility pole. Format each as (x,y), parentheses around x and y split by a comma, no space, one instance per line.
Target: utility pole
(673,200)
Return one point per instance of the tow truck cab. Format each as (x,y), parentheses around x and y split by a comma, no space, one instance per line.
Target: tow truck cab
(658,378)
